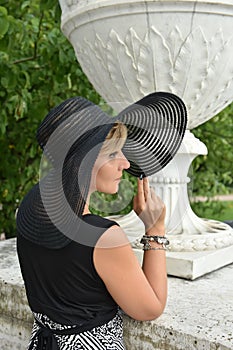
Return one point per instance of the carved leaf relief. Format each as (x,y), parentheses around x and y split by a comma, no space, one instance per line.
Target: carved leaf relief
(191,66)
(174,42)
(124,68)
(145,74)
(218,82)
(95,73)
(215,44)
(100,50)
(133,43)
(153,61)
(88,68)
(121,68)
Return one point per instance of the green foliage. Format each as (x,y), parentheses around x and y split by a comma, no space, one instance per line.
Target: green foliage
(38,70)
(212,174)
(216,210)
(4,21)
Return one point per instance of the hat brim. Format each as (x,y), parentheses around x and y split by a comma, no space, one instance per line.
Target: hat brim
(156,125)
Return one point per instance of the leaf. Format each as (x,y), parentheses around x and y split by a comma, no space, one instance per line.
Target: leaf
(153,61)
(4,82)
(3,12)
(96,71)
(215,45)
(4,43)
(174,43)
(4,22)
(62,56)
(133,42)
(3,124)
(121,69)
(100,49)
(25,4)
(190,71)
(218,83)
(190,66)
(47,4)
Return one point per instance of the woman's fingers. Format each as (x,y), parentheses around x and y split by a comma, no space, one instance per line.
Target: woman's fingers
(148,206)
(146,188)
(143,190)
(140,199)
(140,194)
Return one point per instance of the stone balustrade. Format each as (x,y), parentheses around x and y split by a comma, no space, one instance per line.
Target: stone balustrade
(198,315)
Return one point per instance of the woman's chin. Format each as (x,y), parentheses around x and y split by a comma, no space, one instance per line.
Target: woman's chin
(112,191)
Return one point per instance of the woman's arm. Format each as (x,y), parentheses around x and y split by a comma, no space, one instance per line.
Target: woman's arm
(140,292)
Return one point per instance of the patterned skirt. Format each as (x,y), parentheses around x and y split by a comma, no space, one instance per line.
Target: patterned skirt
(108,336)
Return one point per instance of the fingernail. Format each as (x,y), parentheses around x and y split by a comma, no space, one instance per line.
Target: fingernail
(141,177)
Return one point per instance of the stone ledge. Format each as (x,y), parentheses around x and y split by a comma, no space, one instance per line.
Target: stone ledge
(198,315)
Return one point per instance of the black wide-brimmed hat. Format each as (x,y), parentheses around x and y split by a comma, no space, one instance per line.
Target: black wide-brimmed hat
(71,136)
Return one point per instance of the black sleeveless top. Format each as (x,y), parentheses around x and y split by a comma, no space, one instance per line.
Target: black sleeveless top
(63,283)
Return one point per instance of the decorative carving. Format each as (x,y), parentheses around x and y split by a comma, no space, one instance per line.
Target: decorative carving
(154,54)
(118,52)
(191,67)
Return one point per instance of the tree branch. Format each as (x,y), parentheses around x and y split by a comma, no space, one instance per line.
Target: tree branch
(32,58)
(35,56)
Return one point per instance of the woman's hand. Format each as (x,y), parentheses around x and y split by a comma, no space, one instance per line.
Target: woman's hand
(149,207)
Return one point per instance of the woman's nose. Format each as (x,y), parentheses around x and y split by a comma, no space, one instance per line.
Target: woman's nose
(125,164)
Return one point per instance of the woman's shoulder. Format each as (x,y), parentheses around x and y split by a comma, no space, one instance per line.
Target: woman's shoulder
(92,227)
(99,221)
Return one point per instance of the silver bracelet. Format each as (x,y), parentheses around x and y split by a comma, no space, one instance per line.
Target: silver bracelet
(158,239)
(153,248)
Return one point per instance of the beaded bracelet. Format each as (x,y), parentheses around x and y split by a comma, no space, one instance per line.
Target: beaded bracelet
(158,239)
(153,248)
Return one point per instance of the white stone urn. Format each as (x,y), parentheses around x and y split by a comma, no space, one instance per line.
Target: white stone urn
(129,48)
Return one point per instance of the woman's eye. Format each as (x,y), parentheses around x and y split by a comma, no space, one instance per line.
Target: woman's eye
(113,155)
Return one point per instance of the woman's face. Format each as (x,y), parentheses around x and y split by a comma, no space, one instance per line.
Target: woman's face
(107,171)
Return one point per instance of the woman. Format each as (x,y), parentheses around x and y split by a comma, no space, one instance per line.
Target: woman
(79,269)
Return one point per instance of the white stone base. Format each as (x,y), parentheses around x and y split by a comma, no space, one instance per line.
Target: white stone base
(191,265)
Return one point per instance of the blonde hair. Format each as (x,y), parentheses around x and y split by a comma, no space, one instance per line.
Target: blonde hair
(115,138)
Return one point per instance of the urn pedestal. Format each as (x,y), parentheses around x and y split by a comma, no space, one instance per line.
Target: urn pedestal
(129,48)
